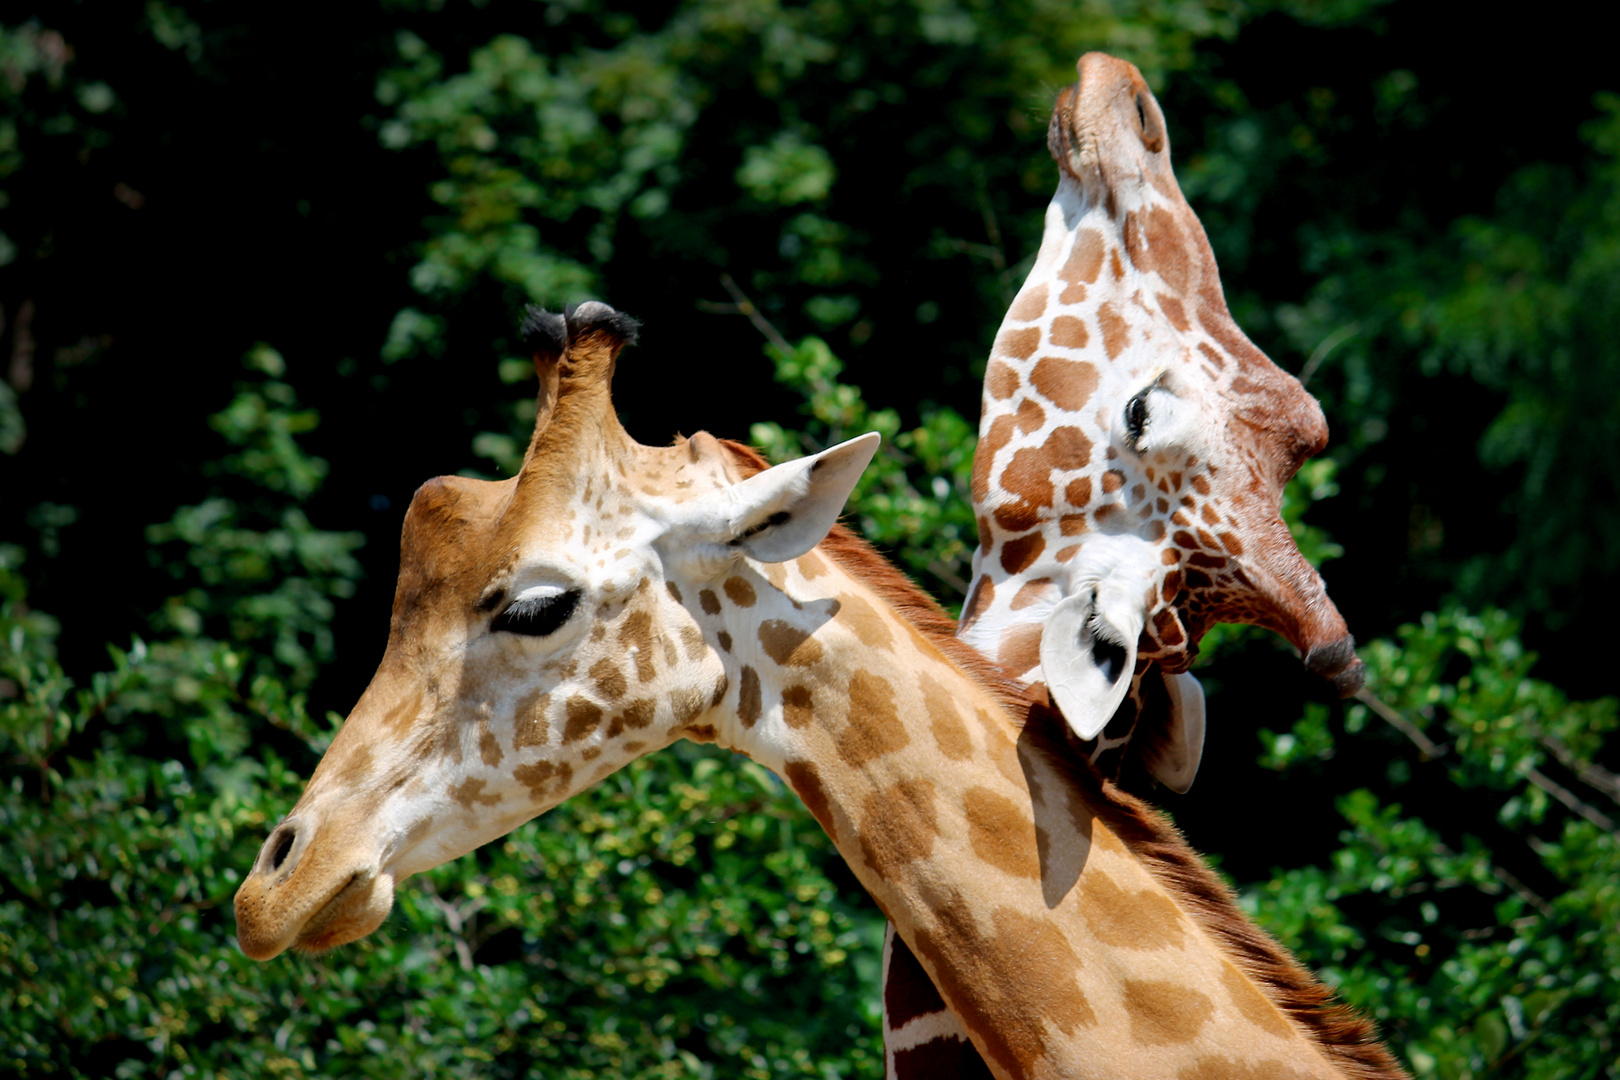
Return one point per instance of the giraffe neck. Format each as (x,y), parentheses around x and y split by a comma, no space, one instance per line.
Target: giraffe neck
(1042,904)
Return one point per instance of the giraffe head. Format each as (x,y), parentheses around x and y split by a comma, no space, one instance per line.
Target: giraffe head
(1134,443)
(539,641)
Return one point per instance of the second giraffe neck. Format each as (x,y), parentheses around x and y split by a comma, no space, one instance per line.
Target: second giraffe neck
(999,864)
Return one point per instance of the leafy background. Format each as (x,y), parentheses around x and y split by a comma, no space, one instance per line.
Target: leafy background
(259,274)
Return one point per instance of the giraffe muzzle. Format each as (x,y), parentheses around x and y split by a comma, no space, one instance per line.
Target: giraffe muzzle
(1338,663)
(305,898)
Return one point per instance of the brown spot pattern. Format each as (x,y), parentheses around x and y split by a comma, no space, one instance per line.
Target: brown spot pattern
(689,702)
(639,713)
(739,592)
(861,617)
(873,727)
(806,783)
(1029,305)
(610,681)
(1016,555)
(1020,648)
(1174,311)
(986,977)
(584,716)
(1018,343)
(531,728)
(692,638)
(1146,920)
(542,777)
(1067,448)
(787,644)
(899,825)
(489,748)
(1069,332)
(1030,416)
(1068,384)
(636,634)
(1030,592)
(798,706)
(470,794)
(748,703)
(1085,259)
(1253,1004)
(1002,833)
(1000,380)
(1165,1013)
(1116,333)
(1079,492)
(1155,244)
(951,734)
(1001,429)
(709,601)
(1029,477)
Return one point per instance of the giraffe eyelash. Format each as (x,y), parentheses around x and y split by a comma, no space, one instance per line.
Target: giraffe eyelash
(1136,418)
(536,616)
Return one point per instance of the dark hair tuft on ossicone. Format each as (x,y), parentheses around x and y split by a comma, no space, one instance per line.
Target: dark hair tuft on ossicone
(544,331)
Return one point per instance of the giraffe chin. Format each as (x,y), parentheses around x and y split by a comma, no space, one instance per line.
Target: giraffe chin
(355,912)
(358,907)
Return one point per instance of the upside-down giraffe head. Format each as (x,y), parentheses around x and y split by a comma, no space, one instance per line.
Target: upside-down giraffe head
(1134,444)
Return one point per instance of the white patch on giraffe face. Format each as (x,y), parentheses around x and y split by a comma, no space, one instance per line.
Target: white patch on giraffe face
(1088,649)
(1158,419)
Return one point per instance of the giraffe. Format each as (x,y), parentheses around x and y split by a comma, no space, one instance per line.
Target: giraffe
(1134,445)
(613,597)
(1132,441)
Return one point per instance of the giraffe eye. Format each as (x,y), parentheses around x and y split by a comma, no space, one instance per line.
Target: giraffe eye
(536,614)
(1136,415)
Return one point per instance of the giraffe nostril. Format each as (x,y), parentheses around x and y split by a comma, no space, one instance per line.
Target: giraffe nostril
(284,844)
(274,855)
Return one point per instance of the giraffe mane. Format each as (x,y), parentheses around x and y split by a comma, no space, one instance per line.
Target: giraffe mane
(1348,1039)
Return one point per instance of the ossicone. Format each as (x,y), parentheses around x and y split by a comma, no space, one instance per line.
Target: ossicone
(544,332)
(594,318)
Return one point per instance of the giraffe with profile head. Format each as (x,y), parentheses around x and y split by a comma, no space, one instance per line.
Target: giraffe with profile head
(612,598)
(1133,449)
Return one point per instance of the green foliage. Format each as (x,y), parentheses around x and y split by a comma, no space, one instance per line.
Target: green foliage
(1521,306)
(1485,944)
(260,576)
(913,499)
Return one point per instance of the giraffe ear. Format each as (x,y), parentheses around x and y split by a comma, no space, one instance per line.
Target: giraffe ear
(1088,656)
(1172,758)
(785,511)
